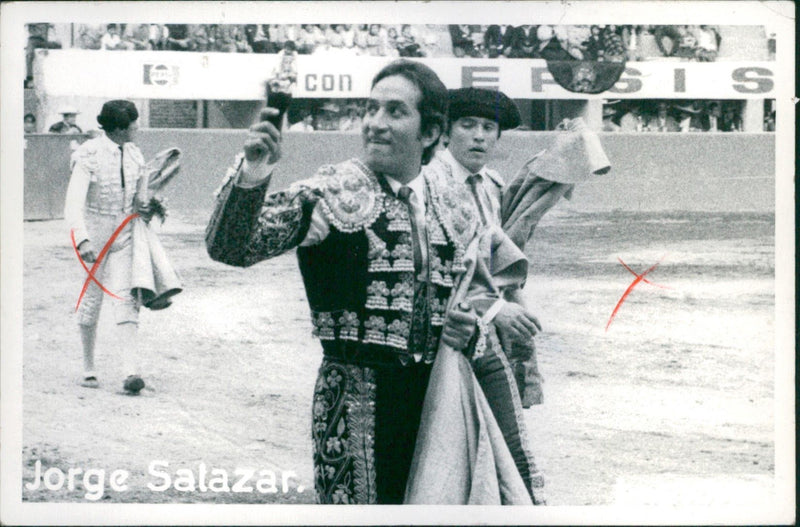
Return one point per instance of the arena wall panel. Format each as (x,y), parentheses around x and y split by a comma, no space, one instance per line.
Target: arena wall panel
(698,172)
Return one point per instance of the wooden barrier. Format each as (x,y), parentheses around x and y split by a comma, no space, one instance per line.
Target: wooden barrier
(700,172)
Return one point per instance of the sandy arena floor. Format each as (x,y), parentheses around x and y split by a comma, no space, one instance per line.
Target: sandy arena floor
(672,405)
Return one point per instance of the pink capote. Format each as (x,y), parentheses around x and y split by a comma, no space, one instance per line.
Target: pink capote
(154,280)
(460,455)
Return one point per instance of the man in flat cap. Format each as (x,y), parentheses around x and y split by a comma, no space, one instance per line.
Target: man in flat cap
(476,120)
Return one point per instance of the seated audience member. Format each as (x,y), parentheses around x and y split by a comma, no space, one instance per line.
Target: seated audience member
(351,121)
(201,41)
(633,120)
(240,40)
(391,40)
(67,124)
(137,37)
(708,41)
(463,44)
(549,46)
(613,46)
(361,39)
(688,118)
(306,39)
(335,36)
(29,125)
(407,44)
(593,46)
(667,39)
(687,44)
(711,121)
(178,37)
(572,39)
(284,76)
(158,36)
(435,40)
(111,39)
(497,40)
(258,38)
(89,36)
(524,43)
(222,38)
(769,122)
(328,118)
(377,41)
(731,121)
(609,113)
(662,121)
(306,124)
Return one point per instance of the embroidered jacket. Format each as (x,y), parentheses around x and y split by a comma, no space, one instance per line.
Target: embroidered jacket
(96,201)
(360,279)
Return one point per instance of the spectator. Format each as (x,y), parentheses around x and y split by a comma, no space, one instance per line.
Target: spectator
(178,37)
(688,118)
(667,39)
(240,39)
(769,122)
(612,45)
(593,46)
(67,124)
(498,39)
(524,42)
(662,121)
(609,112)
(633,120)
(712,121)
(328,117)
(137,37)
(351,122)
(89,36)
(306,40)
(258,38)
(111,39)
(407,44)
(306,124)
(435,41)
(321,36)
(29,123)
(731,120)
(201,41)
(391,39)
(708,41)
(463,43)
(37,39)
(222,38)
(687,44)
(285,73)
(572,39)
(361,39)
(549,46)
(377,41)
(158,36)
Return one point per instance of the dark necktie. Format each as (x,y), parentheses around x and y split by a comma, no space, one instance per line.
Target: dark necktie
(474,181)
(121,171)
(404,195)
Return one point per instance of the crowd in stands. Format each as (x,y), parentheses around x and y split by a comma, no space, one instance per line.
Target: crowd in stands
(402,40)
(560,42)
(673,116)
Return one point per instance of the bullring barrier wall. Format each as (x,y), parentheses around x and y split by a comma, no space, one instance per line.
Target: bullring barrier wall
(650,171)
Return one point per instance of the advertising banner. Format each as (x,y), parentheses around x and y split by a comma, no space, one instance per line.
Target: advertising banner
(231,76)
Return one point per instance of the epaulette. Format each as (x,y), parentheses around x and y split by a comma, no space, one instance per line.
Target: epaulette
(351,195)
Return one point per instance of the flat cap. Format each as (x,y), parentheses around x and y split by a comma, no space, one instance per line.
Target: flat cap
(481,102)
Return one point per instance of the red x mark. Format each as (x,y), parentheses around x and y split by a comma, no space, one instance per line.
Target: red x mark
(639,278)
(99,259)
